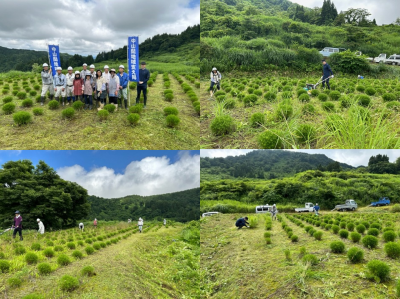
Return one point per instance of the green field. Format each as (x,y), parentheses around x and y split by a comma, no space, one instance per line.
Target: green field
(269,110)
(162,262)
(248,264)
(86,131)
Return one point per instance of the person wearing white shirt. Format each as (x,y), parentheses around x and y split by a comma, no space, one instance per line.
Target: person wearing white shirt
(41,226)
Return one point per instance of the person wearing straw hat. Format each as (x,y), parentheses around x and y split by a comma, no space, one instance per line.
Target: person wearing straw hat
(113,88)
(41,226)
(123,86)
(60,84)
(144,76)
(47,83)
(17,226)
(70,76)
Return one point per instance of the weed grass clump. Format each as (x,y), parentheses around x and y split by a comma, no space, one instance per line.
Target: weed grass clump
(169,110)
(392,250)
(389,236)
(8,108)
(27,103)
(389,97)
(35,246)
(355,237)
(103,114)
(373,232)
(63,260)
(257,119)
(44,268)
(109,107)
(270,140)
(172,121)
(4,266)
(7,99)
(318,235)
(37,111)
(222,125)
(133,118)
(378,270)
(68,283)
(305,98)
(68,113)
(88,271)
(294,238)
(14,282)
(78,105)
(22,118)
(364,100)
(335,229)
(370,241)
(31,258)
(323,97)
(355,255)
(53,105)
(310,259)
(337,247)
(89,250)
(305,133)
(20,250)
(328,106)
(360,228)
(344,234)
(71,245)
(48,252)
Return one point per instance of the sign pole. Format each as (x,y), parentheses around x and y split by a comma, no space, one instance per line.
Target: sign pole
(127,66)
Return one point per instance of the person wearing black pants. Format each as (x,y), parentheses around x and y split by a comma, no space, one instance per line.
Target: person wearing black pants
(17,225)
(144,76)
(326,74)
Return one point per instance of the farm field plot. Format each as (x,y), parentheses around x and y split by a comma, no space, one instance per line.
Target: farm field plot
(272,111)
(51,129)
(113,261)
(301,256)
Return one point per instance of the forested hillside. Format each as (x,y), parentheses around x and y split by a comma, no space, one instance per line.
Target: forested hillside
(253,35)
(179,206)
(266,164)
(183,47)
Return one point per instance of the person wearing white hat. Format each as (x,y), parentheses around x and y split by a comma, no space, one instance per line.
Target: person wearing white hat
(123,86)
(70,76)
(85,71)
(60,85)
(101,88)
(78,86)
(106,76)
(140,224)
(41,226)
(215,80)
(113,88)
(93,74)
(47,83)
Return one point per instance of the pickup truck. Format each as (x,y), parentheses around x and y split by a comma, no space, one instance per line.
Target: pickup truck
(380,58)
(350,205)
(384,201)
(308,207)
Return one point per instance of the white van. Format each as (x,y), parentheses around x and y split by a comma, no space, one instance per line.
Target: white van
(263,209)
(209,214)
(393,60)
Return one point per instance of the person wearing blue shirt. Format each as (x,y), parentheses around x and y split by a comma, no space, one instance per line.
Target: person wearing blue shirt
(242,222)
(316,209)
(144,76)
(60,85)
(327,73)
(123,86)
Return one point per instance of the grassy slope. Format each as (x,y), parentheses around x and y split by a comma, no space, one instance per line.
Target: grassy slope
(85,131)
(238,264)
(137,267)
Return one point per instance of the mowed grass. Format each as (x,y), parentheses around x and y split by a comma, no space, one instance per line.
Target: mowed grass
(147,265)
(86,131)
(239,263)
(347,125)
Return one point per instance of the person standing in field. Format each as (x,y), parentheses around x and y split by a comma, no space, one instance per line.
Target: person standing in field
(101,88)
(78,86)
(81,226)
(60,85)
(326,74)
(123,86)
(94,76)
(273,212)
(215,80)
(41,226)
(242,222)
(17,225)
(70,85)
(113,88)
(95,223)
(140,224)
(85,71)
(316,209)
(144,76)
(88,91)
(47,83)
(107,76)
(165,222)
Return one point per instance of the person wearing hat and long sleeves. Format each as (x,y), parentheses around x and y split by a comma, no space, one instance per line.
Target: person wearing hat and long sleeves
(78,86)
(93,74)
(113,88)
(144,76)
(70,76)
(123,86)
(47,83)
(215,77)
(140,224)
(88,91)
(41,226)
(101,88)
(85,71)
(60,85)
(17,225)
(107,76)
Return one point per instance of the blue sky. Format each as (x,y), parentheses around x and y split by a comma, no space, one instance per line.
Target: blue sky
(113,174)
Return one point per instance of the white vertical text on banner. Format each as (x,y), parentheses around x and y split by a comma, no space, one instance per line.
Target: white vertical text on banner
(54,55)
(133,58)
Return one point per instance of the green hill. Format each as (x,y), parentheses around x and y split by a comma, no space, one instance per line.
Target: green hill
(251,35)
(264,164)
(179,206)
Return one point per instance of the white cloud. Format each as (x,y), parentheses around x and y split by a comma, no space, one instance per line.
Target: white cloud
(351,157)
(88,27)
(149,176)
(384,11)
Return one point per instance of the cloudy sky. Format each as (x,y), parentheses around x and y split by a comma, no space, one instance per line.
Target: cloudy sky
(384,11)
(91,26)
(113,174)
(351,157)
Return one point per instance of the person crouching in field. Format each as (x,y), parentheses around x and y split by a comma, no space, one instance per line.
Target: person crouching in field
(140,224)
(144,76)
(215,80)
(242,222)
(81,226)
(70,85)
(47,83)
(17,225)
(41,226)
(123,86)
(113,88)
(78,86)
(88,91)
(101,89)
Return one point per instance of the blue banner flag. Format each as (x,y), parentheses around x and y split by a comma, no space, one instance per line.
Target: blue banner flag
(133,58)
(54,56)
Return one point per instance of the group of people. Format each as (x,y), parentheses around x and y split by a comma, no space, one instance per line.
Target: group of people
(88,85)
(216,77)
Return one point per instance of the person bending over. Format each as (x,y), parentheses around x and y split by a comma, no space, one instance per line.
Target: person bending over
(242,222)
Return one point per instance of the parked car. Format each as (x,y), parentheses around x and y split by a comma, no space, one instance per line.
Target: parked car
(308,207)
(263,209)
(380,59)
(328,51)
(350,205)
(209,214)
(393,60)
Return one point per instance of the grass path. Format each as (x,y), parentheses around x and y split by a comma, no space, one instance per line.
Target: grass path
(132,268)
